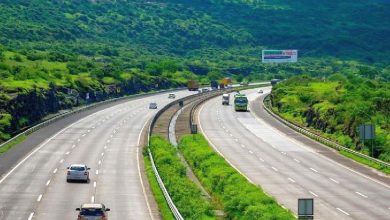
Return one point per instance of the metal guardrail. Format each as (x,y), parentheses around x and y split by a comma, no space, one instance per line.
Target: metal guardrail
(66,114)
(319,138)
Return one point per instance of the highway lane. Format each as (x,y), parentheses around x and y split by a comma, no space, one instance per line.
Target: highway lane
(287,169)
(108,142)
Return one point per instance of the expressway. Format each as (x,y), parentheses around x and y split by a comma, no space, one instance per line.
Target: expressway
(288,169)
(108,141)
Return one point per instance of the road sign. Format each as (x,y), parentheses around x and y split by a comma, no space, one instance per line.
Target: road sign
(194,128)
(306,208)
(366,132)
(279,56)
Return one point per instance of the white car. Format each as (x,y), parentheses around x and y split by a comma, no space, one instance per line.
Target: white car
(260,91)
(171,96)
(77,172)
(92,211)
(152,105)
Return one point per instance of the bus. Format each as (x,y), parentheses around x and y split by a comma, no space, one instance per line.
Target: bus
(240,102)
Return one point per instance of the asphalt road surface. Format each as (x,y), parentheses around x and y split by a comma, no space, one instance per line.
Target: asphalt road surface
(108,142)
(287,169)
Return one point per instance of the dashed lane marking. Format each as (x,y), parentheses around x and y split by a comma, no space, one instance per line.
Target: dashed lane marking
(39,198)
(291,180)
(334,180)
(314,170)
(343,211)
(360,194)
(313,194)
(48,182)
(55,170)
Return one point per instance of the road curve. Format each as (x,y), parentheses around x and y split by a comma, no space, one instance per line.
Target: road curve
(288,169)
(108,142)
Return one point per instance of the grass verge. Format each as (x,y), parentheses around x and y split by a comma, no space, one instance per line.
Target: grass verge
(184,193)
(8,146)
(165,211)
(240,198)
(364,161)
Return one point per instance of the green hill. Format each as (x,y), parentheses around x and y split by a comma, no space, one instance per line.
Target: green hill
(112,48)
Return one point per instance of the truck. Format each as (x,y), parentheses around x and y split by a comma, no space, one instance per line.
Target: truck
(226,82)
(214,85)
(193,85)
(225,99)
(240,102)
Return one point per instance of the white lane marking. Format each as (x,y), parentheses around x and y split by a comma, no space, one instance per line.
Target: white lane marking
(94,184)
(111,136)
(102,154)
(78,140)
(342,211)
(83,135)
(274,168)
(284,153)
(100,162)
(93,199)
(31,216)
(39,198)
(88,130)
(97,172)
(251,152)
(261,159)
(243,146)
(313,194)
(314,170)
(361,194)
(62,160)
(55,170)
(93,127)
(139,170)
(300,144)
(108,141)
(236,140)
(296,160)
(67,153)
(105,147)
(334,180)
(73,146)
(48,182)
(231,135)
(291,180)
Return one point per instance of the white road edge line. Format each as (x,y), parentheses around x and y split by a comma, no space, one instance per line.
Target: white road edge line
(31,216)
(139,171)
(300,144)
(334,180)
(313,194)
(360,194)
(93,199)
(342,211)
(39,198)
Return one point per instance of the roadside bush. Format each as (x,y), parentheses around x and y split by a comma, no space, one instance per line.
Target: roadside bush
(240,198)
(185,194)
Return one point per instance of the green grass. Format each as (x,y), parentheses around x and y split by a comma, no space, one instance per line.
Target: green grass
(364,161)
(184,193)
(240,198)
(8,146)
(165,211)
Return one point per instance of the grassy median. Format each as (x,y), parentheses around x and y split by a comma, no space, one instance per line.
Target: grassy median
(184,193)
(240,198)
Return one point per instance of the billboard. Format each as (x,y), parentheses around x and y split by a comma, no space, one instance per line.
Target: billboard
(280,56)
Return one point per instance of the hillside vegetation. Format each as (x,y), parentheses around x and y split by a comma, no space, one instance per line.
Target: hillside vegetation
(56,53)
(336,106)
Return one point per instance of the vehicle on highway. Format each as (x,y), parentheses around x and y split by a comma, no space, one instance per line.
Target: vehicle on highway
(92,212)
(77,172)
(152,105)
(260,91)
(171,96)
(193,85)
(225,99)
(240,102)
(205,90)
(214,85)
